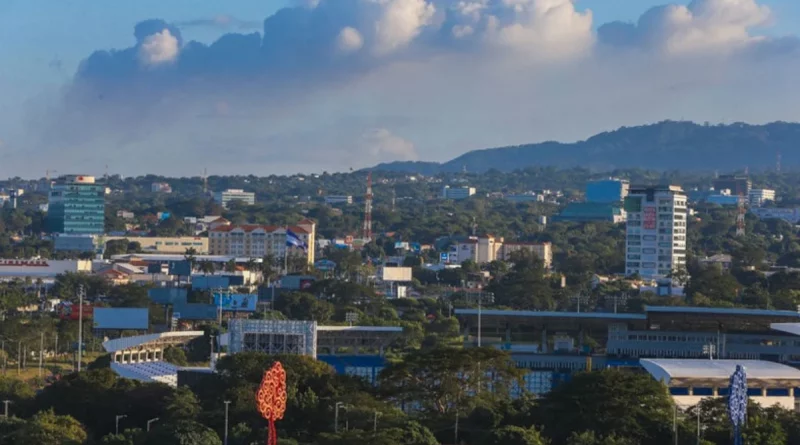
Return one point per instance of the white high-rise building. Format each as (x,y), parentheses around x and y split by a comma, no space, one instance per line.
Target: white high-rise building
(656,231)
(758,197)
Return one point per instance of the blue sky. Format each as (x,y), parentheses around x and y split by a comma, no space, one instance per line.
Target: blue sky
(375,101)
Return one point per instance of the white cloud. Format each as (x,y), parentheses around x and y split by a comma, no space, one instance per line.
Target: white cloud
(401,21)
(385,146)
(159,48)
(349,40)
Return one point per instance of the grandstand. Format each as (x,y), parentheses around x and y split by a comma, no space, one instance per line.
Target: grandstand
(141,357)
(690,381)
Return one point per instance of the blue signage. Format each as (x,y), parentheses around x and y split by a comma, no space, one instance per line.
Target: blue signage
(236,302)
(444,257)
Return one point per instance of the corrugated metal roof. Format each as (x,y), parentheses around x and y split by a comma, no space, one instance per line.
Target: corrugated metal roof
(667,369)
(722,311)
(121,344)
(551,314)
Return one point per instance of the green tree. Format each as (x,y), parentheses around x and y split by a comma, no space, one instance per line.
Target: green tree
(176,356)
(516,435)
(46,428)
(128,437)
(184,432)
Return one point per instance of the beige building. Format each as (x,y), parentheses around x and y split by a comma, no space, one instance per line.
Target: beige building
(158,244)
(490,248)
(257,241)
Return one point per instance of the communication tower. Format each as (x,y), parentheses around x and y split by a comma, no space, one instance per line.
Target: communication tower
(740,216)
(368,209)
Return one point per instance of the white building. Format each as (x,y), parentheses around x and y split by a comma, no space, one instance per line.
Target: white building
(758,197)
(489,248)
(656,231)
(229,195)
(160,187)
(457,192)
(41,269)
(338,199)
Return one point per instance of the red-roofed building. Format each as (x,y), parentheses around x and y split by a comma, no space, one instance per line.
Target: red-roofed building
(257,241)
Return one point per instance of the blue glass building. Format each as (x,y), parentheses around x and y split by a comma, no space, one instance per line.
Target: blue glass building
(77,206)
(607,191)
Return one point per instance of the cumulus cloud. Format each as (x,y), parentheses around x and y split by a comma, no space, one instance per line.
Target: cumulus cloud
(331,85)
(161,47)
(701,26)
(222,21)
(350,40)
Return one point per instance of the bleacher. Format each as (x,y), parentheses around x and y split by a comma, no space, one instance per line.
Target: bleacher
(141,357)
(161,372)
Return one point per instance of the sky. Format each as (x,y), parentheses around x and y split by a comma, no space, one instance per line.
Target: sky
(305,86)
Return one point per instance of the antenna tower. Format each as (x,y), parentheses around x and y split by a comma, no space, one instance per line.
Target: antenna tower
(778,162)
(368,209)
(740,216)
(394,199)
(205,181)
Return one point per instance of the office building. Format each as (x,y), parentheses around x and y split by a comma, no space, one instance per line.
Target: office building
(77,206)
(591,211)
(607,190)
(258,241)
(225,197)
(457,192)
(758,197)
(737,184)
(161,244)
(338,199)
(489,248)
(656,231)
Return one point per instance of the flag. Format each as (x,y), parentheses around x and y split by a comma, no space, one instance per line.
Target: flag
(292,240)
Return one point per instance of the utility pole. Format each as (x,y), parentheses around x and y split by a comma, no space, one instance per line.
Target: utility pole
(81,292)
(375,422)
(455,440)
(227,403)
(336,416)
(579,299)
(6,403)
(19,357)
(480,297)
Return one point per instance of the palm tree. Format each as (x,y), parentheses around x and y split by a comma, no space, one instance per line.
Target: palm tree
(206,267)
(190,257)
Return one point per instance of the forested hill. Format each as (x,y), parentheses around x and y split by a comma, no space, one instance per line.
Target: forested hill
(667,145)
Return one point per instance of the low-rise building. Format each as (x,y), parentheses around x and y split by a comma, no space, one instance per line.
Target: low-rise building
(258,241)
(226,196)
(41,269)
(790,215)
(160,244)
(160,187)
(490,248)
(338,199)
(457,192)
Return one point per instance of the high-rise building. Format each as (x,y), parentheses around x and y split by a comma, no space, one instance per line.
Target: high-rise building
(758,197)
(258,241)
(656,231)
(225,197)
(607,190)
(77,206)
(737,184)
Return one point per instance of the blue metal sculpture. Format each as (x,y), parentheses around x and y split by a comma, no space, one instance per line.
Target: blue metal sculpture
(737,403)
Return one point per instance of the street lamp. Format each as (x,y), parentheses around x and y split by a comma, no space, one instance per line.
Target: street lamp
(116,422)
(227,403)
(336,416)
(6,403)
(150,422)
(375,422)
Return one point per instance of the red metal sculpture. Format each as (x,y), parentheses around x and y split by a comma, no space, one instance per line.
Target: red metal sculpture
(271,399)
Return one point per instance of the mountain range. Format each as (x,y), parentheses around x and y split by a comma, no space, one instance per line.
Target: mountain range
(667,145)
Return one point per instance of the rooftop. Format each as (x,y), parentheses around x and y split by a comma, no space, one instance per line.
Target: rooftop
(166,338)
(549,314)
(253,227)
(669,370)
(722,311)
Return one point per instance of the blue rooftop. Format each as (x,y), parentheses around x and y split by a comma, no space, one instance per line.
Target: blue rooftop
(550,314)
(722,311)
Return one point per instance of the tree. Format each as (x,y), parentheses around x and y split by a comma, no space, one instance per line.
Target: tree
(46,428)
(609,402)
(176,356)
(183,432)
(516,435)
(128,437)
(525,285)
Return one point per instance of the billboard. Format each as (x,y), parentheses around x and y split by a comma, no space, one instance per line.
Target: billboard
(236,302)
(210,282)
(180,268)
(396,274)
(167,295)
(649,220)
(122,318)
(69,311)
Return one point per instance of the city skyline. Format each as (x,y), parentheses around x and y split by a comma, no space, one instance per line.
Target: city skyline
(353,83)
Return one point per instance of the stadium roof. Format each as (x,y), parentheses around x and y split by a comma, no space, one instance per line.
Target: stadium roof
(360,328)
(678,371)
(789,328)
(722,311)
(550,314)
(166,338)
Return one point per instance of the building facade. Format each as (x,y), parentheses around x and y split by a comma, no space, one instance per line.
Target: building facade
(737,184)
(656,231)
(258,241)
(790,215)
(338,199)
(77,206)
(758,197)
(457,192)
(161,244)
(160,187)
(607,190)
(486,249)
(225,197)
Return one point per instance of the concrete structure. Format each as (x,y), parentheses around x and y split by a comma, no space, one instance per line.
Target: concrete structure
(607,190)
(591,211)
(790,215)
(158,244)
(490,248)
(737,184)
(41,269)
(225,197)
(338,199)
(141,357)
(723,198)
(656,231)
(257,241)
(758,197)
(457,192)
(77,206)
(691,381)
(160,187)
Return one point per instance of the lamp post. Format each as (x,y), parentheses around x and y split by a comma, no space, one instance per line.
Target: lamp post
(375,422)
(227,404)
(81,292)
(149,422)
(336,416)
(6,403)
(116,422)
